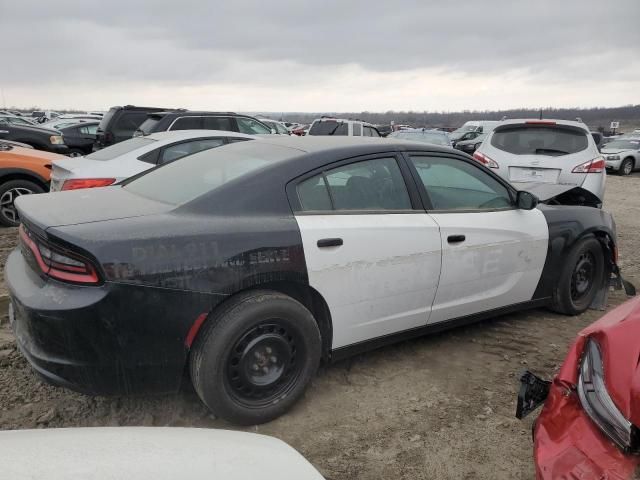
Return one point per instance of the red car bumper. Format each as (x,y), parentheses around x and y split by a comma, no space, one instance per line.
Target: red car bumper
(568,445)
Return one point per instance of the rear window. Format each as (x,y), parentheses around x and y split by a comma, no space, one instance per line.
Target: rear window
(426,137)
(120,148)
(149,124)
(179,182)
(329,127)
(554,140)
(104,123)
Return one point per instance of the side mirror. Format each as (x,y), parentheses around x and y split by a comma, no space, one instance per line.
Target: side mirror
(526,200)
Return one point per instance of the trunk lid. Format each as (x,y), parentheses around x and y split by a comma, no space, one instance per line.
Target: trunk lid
(85,206)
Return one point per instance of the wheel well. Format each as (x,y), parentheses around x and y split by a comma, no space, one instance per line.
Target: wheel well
(608,245)
(308,297)
(24,176)
(633,160)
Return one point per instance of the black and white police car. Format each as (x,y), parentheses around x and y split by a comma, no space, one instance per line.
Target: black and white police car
(251,263)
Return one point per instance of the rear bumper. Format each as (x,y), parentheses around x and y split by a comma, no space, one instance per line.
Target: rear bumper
(108,339)
(567,444)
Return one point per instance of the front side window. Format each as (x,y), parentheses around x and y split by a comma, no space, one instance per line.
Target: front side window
(89,130)
(174,152)
(367,185)
(187,123)
(357,130)
(457,185)
(251,126)
(217,123)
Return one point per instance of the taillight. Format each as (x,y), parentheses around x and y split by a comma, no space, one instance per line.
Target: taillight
(485,160)
(77,183)
(597,165)
(59,264)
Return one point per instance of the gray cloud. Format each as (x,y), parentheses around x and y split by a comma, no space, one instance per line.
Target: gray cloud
(261,43)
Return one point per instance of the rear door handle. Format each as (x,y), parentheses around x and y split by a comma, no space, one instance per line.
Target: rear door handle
(329,242)
(456,238)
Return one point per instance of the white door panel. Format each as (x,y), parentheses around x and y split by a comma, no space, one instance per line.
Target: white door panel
(498,264)
(383,278)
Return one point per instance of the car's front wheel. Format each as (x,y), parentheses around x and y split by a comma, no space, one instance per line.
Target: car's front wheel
(626,167)
(580,277)
(255,356)
(9,191)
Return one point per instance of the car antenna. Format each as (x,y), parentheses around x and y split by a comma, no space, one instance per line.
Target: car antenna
(540,114)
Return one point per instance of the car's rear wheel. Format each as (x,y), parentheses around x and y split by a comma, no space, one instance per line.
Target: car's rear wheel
(9,191)
(255,356)
(580,277)
(626,167)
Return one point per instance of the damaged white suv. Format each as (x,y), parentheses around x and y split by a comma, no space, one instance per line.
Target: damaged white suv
(545,152)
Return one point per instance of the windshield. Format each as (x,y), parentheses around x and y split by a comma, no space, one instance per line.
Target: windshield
(425,137)
(553,140)
(329,127)
(624,144)
(121,148)
(181,181)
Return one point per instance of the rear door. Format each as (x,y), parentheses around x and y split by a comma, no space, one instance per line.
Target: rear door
(492,252)
(371,251)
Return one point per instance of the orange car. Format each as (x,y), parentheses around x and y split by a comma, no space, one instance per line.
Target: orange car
(23,171)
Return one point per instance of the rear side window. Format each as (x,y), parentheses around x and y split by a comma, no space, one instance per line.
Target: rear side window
(129,122)
(368,185)
(187,123)
(174,152)
(89,130)
(554,140)
(329,127)
(149,124)
(217,123)
(120,148)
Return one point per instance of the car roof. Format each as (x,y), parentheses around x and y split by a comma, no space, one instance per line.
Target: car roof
(173,135)
(346,144)
(345,120)
(193,113)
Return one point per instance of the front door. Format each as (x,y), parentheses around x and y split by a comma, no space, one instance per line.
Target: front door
(492,252)
(374,259)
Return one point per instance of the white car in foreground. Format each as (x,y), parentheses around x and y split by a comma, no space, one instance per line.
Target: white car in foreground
(544,151)
(138,453)
(131,157)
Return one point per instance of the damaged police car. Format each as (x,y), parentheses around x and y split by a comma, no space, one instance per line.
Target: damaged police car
(248,265)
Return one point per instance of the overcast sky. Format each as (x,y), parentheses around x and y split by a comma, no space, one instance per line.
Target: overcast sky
(325,55)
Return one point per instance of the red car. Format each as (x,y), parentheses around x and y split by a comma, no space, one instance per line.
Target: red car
(589,427)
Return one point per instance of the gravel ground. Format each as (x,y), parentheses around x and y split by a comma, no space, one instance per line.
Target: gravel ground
(437,407)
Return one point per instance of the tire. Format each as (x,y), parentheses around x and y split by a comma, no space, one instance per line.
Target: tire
(74,152)
(9,191)
(580,277)
(626,167)
(255,356)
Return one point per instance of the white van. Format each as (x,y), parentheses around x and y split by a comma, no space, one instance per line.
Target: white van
(472,129)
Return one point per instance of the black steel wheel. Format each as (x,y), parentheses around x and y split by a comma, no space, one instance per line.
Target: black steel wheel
(264,364)
(255,356)
(581,276)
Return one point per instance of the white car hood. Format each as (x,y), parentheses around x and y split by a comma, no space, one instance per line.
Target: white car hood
(137,453)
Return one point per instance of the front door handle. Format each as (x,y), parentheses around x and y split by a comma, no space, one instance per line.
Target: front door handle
(4,131)
(456,238)
(329,242)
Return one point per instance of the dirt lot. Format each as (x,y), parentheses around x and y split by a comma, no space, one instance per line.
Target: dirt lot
(437,407)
